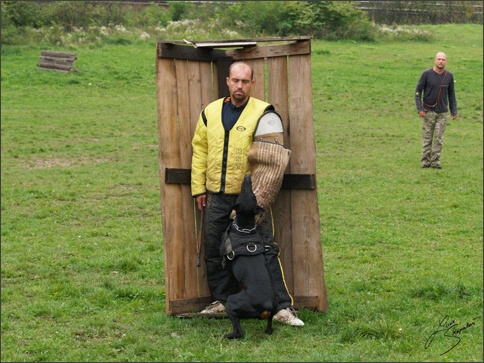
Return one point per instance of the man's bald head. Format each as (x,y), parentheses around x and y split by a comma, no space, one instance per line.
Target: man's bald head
(441,55)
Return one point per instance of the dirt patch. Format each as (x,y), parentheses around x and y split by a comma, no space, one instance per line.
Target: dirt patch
(40,163)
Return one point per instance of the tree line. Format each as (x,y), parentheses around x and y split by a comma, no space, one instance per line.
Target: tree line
(330,20)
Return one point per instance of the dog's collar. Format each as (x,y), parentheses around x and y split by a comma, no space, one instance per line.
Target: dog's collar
(243,230)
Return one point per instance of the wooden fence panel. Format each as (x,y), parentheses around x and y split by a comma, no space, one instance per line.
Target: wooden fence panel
(187,80)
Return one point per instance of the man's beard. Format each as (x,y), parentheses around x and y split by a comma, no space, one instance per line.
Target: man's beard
(238,97)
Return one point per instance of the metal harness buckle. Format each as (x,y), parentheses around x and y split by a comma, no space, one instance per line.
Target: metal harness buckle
(251,245)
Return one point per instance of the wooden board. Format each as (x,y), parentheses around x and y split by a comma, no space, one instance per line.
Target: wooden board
(305,211)
(278,95)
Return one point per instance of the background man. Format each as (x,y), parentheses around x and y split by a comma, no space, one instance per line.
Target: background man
(437,87)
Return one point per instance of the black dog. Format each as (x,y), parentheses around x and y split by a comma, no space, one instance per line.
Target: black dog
(243,252)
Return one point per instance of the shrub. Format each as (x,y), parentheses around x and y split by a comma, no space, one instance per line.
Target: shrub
(333,20)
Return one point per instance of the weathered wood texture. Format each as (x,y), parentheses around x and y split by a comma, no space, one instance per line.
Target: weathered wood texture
(57,61)
(188,77)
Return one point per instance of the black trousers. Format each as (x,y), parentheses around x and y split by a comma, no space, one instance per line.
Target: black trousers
(221,281)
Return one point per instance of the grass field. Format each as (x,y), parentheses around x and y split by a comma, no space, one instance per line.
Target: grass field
(82,245)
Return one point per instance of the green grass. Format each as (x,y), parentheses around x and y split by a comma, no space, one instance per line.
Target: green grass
(82,247)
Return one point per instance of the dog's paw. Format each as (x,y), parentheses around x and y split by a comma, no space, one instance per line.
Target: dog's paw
(269,330)
(233,335)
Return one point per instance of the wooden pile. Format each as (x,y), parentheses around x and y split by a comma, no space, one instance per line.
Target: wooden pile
(57,61)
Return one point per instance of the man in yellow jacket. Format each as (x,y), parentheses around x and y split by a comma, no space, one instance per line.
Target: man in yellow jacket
(223,137)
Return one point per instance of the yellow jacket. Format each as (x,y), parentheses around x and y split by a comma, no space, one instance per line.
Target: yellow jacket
(219,160)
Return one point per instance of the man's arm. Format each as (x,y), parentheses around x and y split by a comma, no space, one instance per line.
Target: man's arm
(452,99)
(199,159)
(418,93)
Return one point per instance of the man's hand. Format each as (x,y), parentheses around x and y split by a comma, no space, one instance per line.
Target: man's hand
(422,113)
(453,117)
(201,201)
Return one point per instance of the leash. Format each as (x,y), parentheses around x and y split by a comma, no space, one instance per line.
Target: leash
(199,243)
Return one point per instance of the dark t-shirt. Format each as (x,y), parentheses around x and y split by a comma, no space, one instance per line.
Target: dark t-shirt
(230,114)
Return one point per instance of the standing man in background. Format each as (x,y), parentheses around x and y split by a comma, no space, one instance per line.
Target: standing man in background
(436,85)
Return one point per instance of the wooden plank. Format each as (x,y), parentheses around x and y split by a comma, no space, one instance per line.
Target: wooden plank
(64,61)
(258,89)
(290,181)
(223,65)
(306,302)
(208,53)
(307,255)
(208,89)
(282,209)
(183,86)
(179,306)
(167,50)
(224,44)
(207,95)
(169,156)
(196,90)
(204,315)
(217,91)
(299,181)
(187,244)
(49,53)
(298,48)
(177,176)
(256,40)
(278,90)
(54,67)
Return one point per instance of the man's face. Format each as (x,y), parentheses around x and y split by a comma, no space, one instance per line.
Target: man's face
(440,60)
(239,83)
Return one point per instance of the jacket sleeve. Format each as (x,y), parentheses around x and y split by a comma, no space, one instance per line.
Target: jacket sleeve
(199,158)
(452,99)
(418,92)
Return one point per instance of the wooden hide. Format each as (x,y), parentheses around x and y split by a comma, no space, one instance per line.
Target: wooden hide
(188,77)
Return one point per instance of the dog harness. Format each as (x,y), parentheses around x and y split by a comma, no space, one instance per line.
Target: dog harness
(238,241)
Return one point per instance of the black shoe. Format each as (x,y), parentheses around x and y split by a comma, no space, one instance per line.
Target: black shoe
(425,166)
(437,167)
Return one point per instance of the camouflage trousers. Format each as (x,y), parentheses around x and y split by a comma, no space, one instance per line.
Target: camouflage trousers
(433,127)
